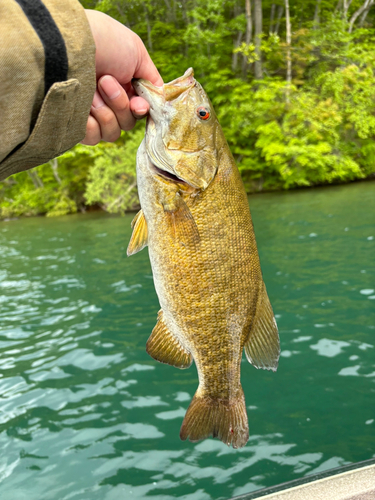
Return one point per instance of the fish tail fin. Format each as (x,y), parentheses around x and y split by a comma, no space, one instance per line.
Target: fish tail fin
(219,418)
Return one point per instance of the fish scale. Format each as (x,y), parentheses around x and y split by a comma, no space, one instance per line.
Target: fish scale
(196,222)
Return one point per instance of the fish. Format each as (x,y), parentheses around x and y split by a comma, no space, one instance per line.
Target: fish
(195,220)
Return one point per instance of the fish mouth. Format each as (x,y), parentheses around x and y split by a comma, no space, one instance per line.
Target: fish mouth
(179,86)
(168,176)
(186,79)
(169,91)
(146,89)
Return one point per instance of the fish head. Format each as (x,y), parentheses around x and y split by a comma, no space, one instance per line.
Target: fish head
(182,131)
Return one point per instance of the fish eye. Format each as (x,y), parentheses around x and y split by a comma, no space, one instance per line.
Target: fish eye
(203,113)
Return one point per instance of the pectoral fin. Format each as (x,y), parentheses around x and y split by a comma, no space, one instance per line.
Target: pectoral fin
(139,237)
(184,228)
(262,348)
(165,347)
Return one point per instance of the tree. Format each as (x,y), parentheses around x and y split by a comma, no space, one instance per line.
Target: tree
(258,21)
(299,110)
(365,7)
(249,32)
(288,44)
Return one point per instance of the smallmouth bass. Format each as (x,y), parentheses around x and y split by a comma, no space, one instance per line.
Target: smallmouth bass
(196,221)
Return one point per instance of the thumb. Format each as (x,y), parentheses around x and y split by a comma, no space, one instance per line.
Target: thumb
(146,68)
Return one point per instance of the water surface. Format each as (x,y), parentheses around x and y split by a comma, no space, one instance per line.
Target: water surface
(86,414)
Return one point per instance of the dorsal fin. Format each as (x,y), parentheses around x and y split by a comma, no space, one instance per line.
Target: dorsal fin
(262,348)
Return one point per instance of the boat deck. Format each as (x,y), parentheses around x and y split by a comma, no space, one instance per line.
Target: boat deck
(352,482)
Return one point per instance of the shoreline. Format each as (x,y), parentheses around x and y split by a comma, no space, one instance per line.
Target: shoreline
(98,209)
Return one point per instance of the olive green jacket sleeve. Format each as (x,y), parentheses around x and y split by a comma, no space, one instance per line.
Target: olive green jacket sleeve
(41,118)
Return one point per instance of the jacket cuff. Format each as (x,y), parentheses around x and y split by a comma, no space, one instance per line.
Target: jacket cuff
(62,119)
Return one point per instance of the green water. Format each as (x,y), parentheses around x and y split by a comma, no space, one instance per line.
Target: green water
(86,414)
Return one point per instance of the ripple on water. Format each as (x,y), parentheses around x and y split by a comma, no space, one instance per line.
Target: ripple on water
(329,348)
(85,413)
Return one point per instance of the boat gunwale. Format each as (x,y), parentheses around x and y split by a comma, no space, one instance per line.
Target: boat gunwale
(305,480)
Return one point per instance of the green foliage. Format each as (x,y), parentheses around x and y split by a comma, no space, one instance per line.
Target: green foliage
(55,188)
(317,129)
(303,148)
(112,182)
(103,175)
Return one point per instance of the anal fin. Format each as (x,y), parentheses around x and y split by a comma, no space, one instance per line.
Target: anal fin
(165,347)
(138,239)
(262,348)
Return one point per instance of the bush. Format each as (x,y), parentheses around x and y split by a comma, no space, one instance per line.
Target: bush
(112,182)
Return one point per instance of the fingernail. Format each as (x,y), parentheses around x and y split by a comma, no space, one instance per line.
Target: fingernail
(97,102)
(110,87)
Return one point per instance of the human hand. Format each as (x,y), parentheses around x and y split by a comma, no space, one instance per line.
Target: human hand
(120,56)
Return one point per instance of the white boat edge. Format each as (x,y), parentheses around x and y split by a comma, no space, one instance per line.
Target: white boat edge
(357,483)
